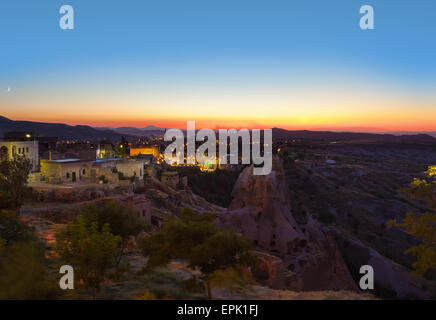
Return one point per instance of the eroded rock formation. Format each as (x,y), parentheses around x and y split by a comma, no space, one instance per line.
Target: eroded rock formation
(260,210)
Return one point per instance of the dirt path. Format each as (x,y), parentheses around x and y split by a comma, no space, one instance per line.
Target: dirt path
(29,209)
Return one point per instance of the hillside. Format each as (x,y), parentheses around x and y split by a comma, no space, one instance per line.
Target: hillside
(140,132)
(60,130)
(351,136)
(355,197)
(82,132)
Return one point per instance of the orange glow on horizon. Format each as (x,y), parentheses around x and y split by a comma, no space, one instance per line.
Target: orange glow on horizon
(367,124)
(323,100)
(375,114)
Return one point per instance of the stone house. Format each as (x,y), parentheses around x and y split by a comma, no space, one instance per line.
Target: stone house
(105,150)
(140,204)
(66,170)
(128,167)
(29,149)
(170,178)
(145,150)
(75,170)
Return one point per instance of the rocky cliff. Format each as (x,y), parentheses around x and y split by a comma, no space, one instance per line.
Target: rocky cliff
(299,256)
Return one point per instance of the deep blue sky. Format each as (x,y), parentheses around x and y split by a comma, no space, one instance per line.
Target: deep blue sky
(177,30)
(211,42)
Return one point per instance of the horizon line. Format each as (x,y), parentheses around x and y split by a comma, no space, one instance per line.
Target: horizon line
(217,127)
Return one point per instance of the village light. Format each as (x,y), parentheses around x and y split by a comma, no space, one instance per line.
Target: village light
(198,156)
(27,135)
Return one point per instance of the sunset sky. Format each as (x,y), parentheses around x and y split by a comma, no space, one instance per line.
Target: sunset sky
(224,63)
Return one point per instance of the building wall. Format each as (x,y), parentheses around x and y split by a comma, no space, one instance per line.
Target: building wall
(131,168)
(29,149)
(143,208)
(106,171)
(145,150)
(81,170)
(105,150)
(65,170)
(151,170)
(140,205)
(170,179)
(106,164)
(50,170)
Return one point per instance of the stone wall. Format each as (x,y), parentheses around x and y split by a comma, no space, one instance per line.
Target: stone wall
(29,149)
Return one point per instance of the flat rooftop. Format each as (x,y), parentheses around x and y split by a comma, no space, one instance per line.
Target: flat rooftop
(108,159)
(65,160)
(170,173)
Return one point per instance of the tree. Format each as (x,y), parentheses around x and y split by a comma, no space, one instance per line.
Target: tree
(422,226)
(14,174)
(122,222)
(218,255)
(90,250)
(13,230)
(23,266)
(24,273)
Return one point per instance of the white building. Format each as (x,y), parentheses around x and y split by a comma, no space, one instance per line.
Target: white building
(128,167)
(66,170)
(29,149)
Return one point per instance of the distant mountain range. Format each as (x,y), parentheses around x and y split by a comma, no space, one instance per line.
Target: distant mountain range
(400,133)
(60,130)
(141,132)
(278,133)
(80,132)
